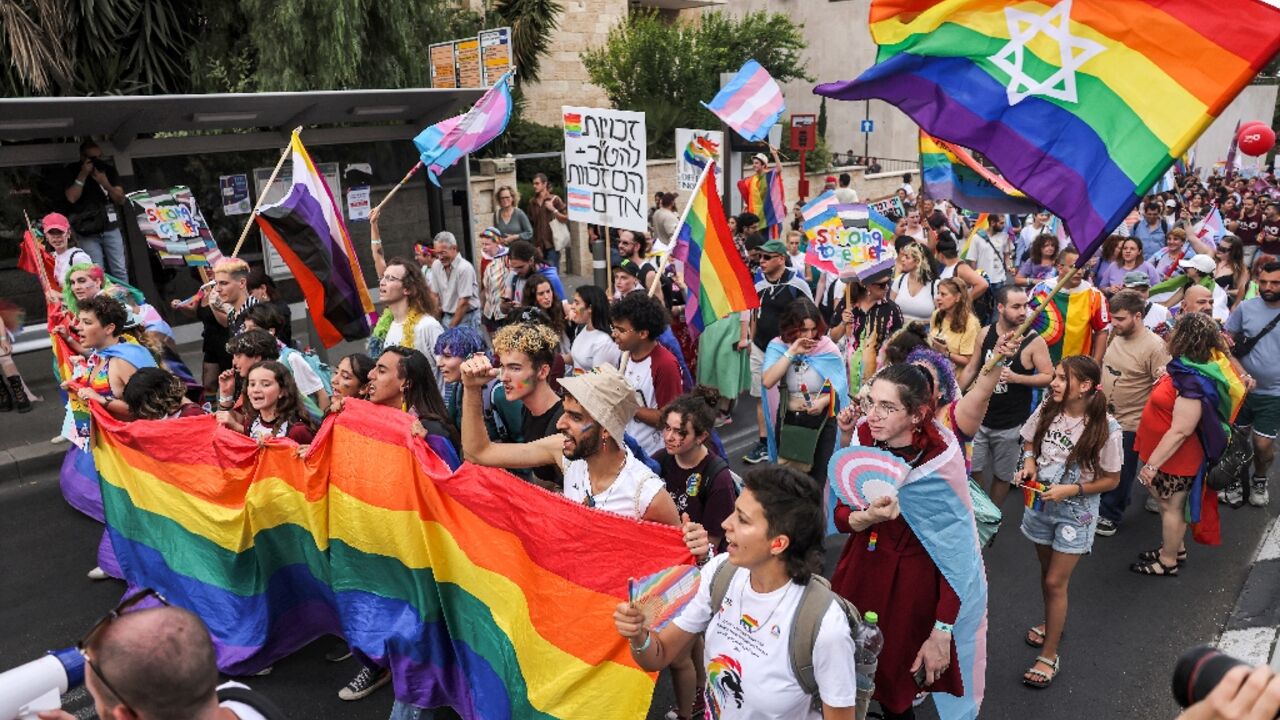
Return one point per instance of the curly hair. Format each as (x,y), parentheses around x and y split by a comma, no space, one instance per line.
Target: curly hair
(1037,254)
(536,340)
(899,345)
(644,313)
(108,311)
(255,343)
(942,369)
(154,393)
(1079,369)
(1195,336)
(421,299)
(460,341)
(792,504)
(288,405)
(697,408)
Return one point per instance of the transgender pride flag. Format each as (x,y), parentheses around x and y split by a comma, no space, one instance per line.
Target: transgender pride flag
(444,143)
(751,103)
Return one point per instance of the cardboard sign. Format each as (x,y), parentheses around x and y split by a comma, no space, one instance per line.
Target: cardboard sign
(891,207)
(850,241)
(605,161)
(173,227)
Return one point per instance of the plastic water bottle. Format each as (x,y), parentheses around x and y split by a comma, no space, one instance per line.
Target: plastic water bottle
(868,643)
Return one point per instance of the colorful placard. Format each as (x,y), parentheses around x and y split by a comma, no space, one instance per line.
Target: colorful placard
(605,160)
(694,149)
(174,228)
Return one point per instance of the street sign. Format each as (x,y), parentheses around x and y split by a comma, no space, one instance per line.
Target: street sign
(803,132)
(868,125)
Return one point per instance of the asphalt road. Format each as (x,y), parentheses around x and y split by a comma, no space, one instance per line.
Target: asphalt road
(1123,633)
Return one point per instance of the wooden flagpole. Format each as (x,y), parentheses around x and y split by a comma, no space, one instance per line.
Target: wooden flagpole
(1026,324)
(284,154)
(412,171)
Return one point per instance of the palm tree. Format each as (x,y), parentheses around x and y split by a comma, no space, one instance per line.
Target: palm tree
(34,38)
(532,22)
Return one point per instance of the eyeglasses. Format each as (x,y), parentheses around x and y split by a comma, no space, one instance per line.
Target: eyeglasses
(1224,249)
(125,604)
(392,278)
(880,410)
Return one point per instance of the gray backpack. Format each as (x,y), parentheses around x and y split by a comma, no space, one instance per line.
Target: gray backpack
(814,601)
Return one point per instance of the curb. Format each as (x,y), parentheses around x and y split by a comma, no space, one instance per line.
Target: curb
(24,463)
(1253,628)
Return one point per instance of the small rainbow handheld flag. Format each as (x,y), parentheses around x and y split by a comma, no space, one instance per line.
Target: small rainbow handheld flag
(1081,104)
(718,281)
(1031,491)
(751,103)
(663,594)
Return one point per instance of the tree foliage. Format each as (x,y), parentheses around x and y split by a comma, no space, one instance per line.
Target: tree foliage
(667,69)
(532,22)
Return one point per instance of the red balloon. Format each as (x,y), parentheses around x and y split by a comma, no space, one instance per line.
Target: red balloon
(1246,127)
(1257,140)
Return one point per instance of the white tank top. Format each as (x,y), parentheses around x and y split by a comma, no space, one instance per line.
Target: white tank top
(628,496)
(914,307)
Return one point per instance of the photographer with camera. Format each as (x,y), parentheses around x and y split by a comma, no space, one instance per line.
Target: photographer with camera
(1212,685)
(92,192)
(158,664)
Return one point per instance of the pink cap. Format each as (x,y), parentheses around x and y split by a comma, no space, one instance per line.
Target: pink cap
(55,221)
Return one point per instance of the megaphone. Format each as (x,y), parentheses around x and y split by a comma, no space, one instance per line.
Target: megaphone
(39,685)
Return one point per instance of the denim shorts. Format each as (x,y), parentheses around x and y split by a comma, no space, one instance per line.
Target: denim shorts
(1067,526)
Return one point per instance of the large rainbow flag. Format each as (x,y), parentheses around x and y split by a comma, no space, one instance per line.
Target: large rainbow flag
(440,577)
(949,172)
(306,228)
(1081,104)
(717,280)
(762,196)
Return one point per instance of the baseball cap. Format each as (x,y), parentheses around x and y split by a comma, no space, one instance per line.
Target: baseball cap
(628,266)
(831,178)
(607,398)
(761,157)
(774,247)
(1170,203)
(1203,263)
(55,221)
(1136,278)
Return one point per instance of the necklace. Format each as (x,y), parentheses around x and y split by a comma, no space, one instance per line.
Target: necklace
(378,339)
(912,462)
(590,500)
(750,624)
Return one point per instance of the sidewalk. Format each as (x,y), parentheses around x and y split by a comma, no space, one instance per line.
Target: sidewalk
(25,447)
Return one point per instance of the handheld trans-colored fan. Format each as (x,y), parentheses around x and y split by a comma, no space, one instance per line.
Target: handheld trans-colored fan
(861,475)
(661,595)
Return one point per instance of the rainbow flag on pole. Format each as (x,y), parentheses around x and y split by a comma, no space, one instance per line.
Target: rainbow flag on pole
(751,103)
(442,145)
(717,280)
(1081,104)
(439,577)
(950,173)
(762,197)
(306,228)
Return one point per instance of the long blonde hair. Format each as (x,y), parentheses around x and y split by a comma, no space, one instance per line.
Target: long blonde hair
(924,268)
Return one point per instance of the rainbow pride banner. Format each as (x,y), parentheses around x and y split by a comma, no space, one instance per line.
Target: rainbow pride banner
(480,591)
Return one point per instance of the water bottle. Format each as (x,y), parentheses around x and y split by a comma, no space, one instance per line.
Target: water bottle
(868,643)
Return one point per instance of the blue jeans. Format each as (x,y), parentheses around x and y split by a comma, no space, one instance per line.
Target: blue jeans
(471,319)
(1115,502)
(405,711)
(107,251)
(552,258)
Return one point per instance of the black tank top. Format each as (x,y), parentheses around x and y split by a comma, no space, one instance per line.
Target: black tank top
(1010,404)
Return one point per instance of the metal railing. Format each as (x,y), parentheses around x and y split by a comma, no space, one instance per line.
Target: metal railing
(875,164)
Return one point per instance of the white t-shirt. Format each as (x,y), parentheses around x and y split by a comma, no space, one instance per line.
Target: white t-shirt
(242,711)
(639,375)
(797,263)
(628,496)
(846,195)
(62,261)
(425,335)
(304,377)
(914,307)
(988,254)
(749,673)
(593,348)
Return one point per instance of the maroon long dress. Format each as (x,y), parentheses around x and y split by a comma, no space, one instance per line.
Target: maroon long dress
(900,582)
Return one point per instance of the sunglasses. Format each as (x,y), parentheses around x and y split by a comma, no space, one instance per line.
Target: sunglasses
(125,604)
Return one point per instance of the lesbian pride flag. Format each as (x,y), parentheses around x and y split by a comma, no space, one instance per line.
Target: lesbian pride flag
(1081,104)
(442,145)
(751,103)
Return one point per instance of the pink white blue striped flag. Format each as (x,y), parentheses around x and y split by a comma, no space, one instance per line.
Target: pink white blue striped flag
(751,103)
(442,145)
(1211,227)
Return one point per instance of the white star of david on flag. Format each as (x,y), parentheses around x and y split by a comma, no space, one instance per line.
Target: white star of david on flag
(1072,53)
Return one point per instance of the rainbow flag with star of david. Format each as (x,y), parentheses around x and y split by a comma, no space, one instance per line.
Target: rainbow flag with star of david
(1080,104)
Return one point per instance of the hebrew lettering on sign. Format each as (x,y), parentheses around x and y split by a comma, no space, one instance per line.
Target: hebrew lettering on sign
(605,167)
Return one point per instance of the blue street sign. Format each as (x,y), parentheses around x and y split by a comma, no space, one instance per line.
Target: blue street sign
(868,126)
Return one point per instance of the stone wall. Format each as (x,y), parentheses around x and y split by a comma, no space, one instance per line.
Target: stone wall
(584,24)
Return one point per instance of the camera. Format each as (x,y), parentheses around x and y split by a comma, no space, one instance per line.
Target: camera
(100,164)
(1199,671)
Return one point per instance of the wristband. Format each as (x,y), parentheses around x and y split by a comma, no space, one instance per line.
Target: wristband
(648,639)
(79,183)
(943,627)
(375,242)
(711,552)
(1028,455)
